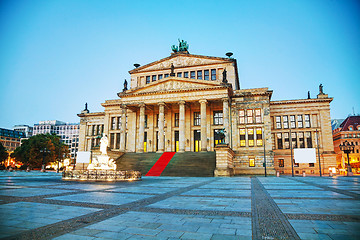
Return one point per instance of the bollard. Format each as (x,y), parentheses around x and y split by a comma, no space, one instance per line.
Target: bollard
(278,174)
(304,174)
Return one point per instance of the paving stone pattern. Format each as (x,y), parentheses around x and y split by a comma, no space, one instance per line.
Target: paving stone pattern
(41,206)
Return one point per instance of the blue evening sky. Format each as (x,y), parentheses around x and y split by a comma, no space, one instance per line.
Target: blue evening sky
(55,55)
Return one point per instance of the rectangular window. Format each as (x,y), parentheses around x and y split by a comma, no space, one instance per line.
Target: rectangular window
(249,114)
(94,130)
(160,76)
(242,138)
(293,140)
(176,119)
(118,122)
(278,122)
(147,79)
(179,74)
(285,122)
(281,162)
(153,78)
(166,75)
(197,119)
(192,74)
(186,74)
(301,140)
(251,162)
(242,116)
(300,121)
(213,74)
(146,121)
(112,135)
(206,74)
(295,164)
(259,141)
(308,139)
(311,165)
(157,120)
(307,120)
(113,123)
(199,74)
(279,141)
(117,141)
(286,140)
(258,115)
(218,117)
(251,137)
(292,121)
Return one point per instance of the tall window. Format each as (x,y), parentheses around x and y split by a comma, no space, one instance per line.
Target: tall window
(147,79)
(249,114)
(242,116)
(218,117)
(199,74)
(300,121)
(278,122)
(197,119)
(179,74)
(242,138)
(293,140)
(259,141)
(279,141)
(286,121)
(157,120)
(160,76)
(166,75)
(113,123)
(292,121)
(117,145)
(118,122)
(206,74)
(281,162)
(213,74)
(307,120)
(286,140)
(192,74)
(146,121)
(251,136)
(153,78)
(176,119)
(251,162)
(112,140)
(301,140)
(258,115)
(186,74)
(308,139)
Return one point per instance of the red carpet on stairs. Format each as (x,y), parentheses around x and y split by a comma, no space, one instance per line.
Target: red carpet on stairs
(160,164)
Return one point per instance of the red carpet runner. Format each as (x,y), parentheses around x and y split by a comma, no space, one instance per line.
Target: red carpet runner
(160,164)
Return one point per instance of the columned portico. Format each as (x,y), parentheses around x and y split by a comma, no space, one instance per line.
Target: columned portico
(141,127)
(203,125)
(123,128)
(226,119)
(181,126)
(161,127)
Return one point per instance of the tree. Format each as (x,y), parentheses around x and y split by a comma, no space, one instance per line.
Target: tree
(39,148)
(3,153)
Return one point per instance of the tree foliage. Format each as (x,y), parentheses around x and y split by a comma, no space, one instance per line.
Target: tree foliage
(39,147)
(3,153)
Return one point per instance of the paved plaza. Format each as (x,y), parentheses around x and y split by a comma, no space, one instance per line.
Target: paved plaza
(41,206)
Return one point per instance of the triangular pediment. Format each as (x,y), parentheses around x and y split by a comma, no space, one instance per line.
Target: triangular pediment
(173,84)
(180,60)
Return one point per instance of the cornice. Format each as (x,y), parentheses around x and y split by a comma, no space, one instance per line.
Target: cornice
(296,101)
(94,114)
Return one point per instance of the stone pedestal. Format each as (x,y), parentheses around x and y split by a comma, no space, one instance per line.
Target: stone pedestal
(224,161)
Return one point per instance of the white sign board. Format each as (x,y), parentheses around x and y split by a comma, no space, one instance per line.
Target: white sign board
(83,157)
(305,155)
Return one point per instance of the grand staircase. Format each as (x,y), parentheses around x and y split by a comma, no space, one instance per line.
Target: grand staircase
(186,164)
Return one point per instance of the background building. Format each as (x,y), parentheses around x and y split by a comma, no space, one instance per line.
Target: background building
(25,129)
(10,139)
(349,130)
(68,132)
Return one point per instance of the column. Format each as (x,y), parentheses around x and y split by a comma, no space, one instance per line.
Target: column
(203,125)
(226,119)
(123,128)
(181,126)
(161,127)
(141,128)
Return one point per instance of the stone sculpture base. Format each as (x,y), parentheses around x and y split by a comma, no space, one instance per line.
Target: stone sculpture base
(101,175)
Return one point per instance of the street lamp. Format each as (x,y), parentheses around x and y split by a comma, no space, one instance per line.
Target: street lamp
(44,151)
(347,148)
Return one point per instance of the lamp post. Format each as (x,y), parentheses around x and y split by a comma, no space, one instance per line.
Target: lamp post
(347,148)
(43,151)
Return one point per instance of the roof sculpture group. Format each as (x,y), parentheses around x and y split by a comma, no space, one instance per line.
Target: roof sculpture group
(183,46)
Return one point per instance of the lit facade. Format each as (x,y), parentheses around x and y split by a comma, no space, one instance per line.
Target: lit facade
(180,104)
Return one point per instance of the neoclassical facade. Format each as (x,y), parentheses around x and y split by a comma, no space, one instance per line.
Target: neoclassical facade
(182,103)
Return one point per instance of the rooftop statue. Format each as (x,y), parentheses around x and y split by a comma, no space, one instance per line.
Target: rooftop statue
(321,91)
(183,46)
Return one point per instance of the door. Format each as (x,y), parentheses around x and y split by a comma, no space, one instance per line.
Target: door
(217,137)
(176,141)
(145,141)
(197,141)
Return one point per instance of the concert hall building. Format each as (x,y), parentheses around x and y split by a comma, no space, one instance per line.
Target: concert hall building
(182,103)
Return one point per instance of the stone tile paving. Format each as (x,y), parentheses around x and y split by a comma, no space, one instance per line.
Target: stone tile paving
(40,206)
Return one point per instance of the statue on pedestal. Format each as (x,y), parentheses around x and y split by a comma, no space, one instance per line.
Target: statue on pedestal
(103,144)
(321,91)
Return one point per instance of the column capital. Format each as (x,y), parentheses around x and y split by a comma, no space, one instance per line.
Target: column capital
(181,102)
(203,101)
(225,99)
(141,105)
(161,104)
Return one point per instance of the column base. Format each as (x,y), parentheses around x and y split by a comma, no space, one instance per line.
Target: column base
(203,149)
(224,172)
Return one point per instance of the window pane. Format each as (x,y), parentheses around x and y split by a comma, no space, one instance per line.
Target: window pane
(213,74)
(179,74)
(251,137)
(197,119)
(192,74)
(186,74)
(206,74)
(147,79)
(160,76)
(242,137)
(154,78)
(251,162)
(199,74)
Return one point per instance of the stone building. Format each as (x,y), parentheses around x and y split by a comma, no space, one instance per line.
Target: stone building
(182,102)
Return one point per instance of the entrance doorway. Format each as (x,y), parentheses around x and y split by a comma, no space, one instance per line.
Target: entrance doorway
(176,141)
(197,141)
(217,138)
(145,141)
